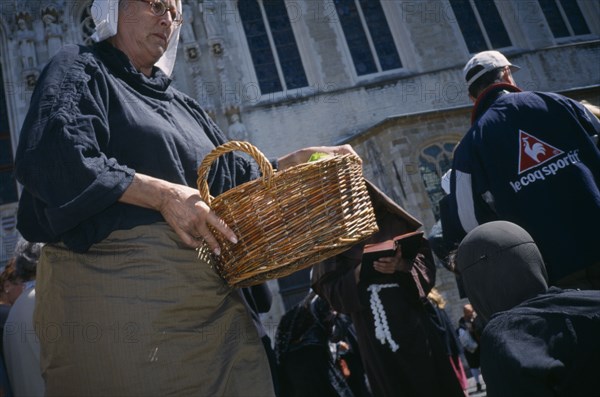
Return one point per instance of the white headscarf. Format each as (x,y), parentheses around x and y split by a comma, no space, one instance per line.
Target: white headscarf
(106,14)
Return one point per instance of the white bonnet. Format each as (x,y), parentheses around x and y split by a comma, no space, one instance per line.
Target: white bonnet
(106,14)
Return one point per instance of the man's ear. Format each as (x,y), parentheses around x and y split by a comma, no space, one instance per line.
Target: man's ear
(507,76)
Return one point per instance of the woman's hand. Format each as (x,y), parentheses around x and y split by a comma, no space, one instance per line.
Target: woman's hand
(302,155)
(189,216)
(182,208)
(392,264)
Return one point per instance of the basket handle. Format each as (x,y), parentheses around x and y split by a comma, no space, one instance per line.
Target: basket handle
(263,164)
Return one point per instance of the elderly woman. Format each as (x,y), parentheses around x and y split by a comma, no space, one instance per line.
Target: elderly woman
(108,156)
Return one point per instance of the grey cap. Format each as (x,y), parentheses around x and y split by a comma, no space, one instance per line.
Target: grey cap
(488,60)
(500,266)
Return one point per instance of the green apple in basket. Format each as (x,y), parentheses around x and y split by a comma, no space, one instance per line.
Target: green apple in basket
(318,156)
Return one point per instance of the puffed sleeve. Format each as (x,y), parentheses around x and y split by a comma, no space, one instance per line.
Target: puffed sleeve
(60,159)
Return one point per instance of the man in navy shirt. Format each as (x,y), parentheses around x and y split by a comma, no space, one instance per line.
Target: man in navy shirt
(531,158)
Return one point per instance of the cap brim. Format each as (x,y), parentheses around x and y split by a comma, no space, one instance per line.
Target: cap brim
(513,68)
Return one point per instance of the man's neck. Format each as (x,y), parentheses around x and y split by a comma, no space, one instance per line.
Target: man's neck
(488,96)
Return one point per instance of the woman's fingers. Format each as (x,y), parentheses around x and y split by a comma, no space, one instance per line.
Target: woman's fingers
(302,155)
(208,217)
(220,225)
(204,233)
(188,239)
(190,217)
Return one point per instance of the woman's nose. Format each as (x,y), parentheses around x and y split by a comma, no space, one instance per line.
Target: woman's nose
(166,19)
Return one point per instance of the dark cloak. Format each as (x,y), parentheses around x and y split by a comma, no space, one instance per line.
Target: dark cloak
(420,367)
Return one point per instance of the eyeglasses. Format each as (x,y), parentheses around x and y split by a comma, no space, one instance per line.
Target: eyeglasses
(159,8)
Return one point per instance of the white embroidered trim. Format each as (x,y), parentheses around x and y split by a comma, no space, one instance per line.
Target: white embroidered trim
(382,329)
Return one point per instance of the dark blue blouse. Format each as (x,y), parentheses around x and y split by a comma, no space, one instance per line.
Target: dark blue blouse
(93,122)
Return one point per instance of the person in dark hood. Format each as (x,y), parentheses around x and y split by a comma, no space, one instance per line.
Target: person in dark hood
(305,363)
(401,350)
(538,341)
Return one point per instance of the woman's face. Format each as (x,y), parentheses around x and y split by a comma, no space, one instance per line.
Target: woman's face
(142,35)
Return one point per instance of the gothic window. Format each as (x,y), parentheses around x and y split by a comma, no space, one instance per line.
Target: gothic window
(8,183)
(368,36)
(564,18)
(434,161)
(272,45)
(480,24)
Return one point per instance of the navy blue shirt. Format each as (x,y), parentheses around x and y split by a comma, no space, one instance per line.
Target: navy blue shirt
(529,158)
(93,122)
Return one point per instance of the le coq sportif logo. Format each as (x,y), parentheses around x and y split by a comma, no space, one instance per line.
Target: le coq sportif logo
(534,152)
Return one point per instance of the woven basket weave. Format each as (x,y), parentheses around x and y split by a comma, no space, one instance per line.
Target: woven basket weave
(289,220)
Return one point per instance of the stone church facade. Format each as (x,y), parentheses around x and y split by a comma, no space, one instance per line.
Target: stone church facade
(382,75)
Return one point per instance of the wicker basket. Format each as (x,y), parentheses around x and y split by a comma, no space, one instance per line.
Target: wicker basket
(289,220)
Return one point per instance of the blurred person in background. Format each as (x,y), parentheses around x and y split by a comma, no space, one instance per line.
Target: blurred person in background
(469,330)
(306,365)
(7,296)
(442,322)
(21,345)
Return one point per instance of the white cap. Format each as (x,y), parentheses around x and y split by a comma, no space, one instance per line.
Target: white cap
(105,14)
(489,60)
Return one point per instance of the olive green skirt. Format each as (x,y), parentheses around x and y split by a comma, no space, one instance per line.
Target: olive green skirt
(140,314)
